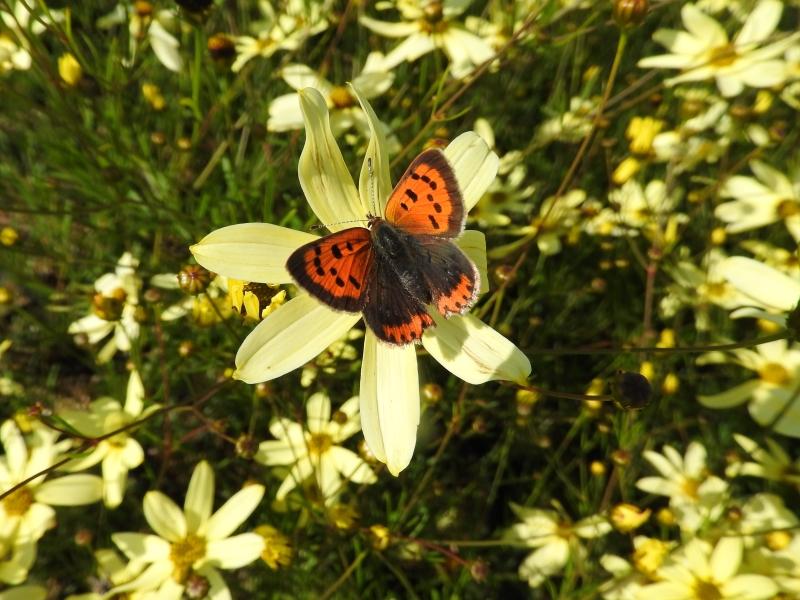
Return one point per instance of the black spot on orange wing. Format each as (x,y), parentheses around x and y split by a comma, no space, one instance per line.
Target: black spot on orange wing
(391,312)
(450,275)
(427,199)
(335,269)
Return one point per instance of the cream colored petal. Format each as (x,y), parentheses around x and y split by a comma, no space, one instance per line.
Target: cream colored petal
(235,552)
(474,164)
(218,589)
(250,251)
(165,47)
(285,113)
(777,408)
(302,76)
(389,29)
(93,327)
(761,22)
(694,463)
(134,398)
(767,286)
(745,214)
(323,174)
(373,83)
(546,561)
(665,590)
(36,522)
(318,411)
(199,497)
(148,548)
(682,43)
(298,473)
(750,587)
(665,61)
(473,351)
(153,576)
(16,452)
(728,86)
(473,243)
(70,490)
(115,474)
(409,50)
(233,513)
(290,337)
(374,182)
(703,26)
(164,516)
(465,48)
(328,479)
(352,466)
(276,453)
(726,558)
(389,401)
(592,527)
(732,397)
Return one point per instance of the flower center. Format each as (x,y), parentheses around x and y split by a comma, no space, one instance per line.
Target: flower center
(184,554)
(433,21)
(774,373)
(143,9)
(788,208)
(716,289)
(690,486)
(341,97)
(18,503)
(723,56)
(109,308)
(705,590)
(319,443)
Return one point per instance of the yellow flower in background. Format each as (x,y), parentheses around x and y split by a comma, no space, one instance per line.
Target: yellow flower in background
(303,327)
(277,547)
(113,310)
(430,25)
(641,132)
(695,495)
(704,51)
(700,571)
(69,69)
(557,540)
(120,453)
(191,541)
(314,450)
(772,463)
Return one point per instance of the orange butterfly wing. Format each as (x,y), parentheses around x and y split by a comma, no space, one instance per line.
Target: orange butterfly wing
(335,269)
(426,200)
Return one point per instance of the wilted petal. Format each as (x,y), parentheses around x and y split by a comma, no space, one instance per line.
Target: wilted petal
(250,251)
(389,401)
(473,351)
(474,164)
(323,174)
(290,337)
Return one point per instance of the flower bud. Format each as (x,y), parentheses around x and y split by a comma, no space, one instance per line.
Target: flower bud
(379,537)
(246,446)
(221,47)
(628,13)
(631,390)
(193,279)
(627,517)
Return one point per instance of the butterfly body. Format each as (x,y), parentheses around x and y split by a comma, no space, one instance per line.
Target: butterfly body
(395,268)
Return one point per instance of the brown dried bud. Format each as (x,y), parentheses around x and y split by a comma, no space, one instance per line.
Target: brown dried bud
(193,279)
(629,13)
(221,47)
(246,446)
(432,393)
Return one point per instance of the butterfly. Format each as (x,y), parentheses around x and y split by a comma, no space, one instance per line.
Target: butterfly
(398,265)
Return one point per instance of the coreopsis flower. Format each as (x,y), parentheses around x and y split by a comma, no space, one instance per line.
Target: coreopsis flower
(630,576)
(699,571)
(145,22)
(28,511)
(695,495)
(206,307)
(113,310)
(277,547)
(571,126)
(17,22)
(704,51)
(556,539)
(768,198)
(772,395)
(120,453)
(191,542)
(772,463)
(428,25)
(303,327)
(16,556)
(780,259)
(286,30)
(315,450)
(651,210)
(374,80)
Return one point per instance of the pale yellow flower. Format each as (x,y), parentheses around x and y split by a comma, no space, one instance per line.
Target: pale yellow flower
(113,310)
(772,395)
(772,463)
(699,571)
(428,25)
(120,453)
(629,576)
(695,495)
(315,450)
(704,51)
(302,328)
(191,541)
(556,539)
(18,20)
